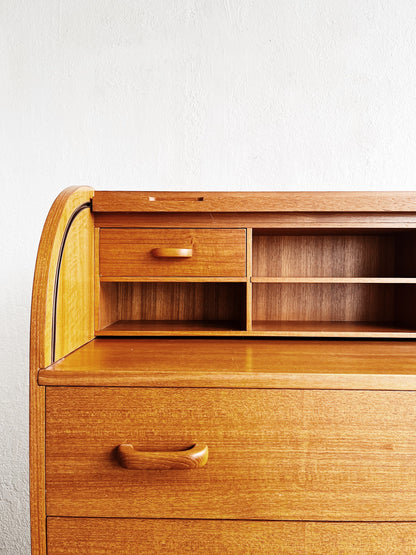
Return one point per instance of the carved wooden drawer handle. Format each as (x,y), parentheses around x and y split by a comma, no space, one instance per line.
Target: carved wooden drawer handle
(170,252)
(194,457)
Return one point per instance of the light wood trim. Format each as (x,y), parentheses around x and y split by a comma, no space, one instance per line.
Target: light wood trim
(41,317)
(174,279)
(333,280)
(75,300)
(234,537)
(238,363)
(188,459)
(293,222)
(309,328)
(40,348)
(97,291)
(249,295)
(172,328)
(139,201)
(171,252)
(260,328)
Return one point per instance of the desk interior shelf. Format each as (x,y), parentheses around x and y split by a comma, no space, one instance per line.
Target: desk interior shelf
(171,308)
(311,282)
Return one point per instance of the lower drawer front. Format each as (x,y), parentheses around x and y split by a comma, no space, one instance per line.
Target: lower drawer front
(273,454)
(131,536)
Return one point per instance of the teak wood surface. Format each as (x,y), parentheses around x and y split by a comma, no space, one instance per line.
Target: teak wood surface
(317,430)
(335,255)
(241,363)
(293,222)
(215,253)
(213,537)
(185,459)
(199,302)
(141,201)
(273,454)
(307,283)
(40,333)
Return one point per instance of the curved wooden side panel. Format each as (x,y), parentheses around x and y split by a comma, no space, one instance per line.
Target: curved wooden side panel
(78,258)
(75,295)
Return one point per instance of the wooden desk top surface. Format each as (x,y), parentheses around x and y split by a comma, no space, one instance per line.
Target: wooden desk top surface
(268,201)
(241,363)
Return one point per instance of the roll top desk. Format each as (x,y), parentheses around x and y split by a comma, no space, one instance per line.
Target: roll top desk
(224,373)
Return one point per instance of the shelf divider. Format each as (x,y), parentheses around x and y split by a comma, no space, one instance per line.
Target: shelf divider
(173,279)
(293,328)
(295,279)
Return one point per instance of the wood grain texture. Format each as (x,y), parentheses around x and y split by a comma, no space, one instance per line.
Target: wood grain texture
(259,363)
(215,537)
(169,252)
(188,459)
(40,348)
(181,279)
(274,454)
(327,302)
(330,329)
(152,307)
(398,280)
(261,328)
(406,254)
(249,288)
(325,255)
(175,328)
(297,430)
(99,320)
(141,201)
(406,303)
(333,309)
(292,222)
(75,304)
(128,252)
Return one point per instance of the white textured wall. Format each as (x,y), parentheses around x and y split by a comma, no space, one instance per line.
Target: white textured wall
(185,94)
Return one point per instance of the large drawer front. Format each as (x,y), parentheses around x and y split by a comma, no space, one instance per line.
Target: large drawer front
(131,536)
(273,454)
(173,252)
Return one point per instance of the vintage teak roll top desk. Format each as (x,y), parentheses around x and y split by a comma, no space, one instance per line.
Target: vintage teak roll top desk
(224,373)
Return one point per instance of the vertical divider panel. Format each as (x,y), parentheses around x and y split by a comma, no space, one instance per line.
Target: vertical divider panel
(249,288)
(97,285)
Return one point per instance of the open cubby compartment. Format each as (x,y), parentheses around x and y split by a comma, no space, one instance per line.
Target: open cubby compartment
(314,253)
(335,309)
(149,308)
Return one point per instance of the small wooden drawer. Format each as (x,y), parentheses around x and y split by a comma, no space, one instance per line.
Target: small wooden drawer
(172,252)
(234,537)
(273,454)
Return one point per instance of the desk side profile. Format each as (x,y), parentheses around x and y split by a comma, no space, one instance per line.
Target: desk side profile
(274,331)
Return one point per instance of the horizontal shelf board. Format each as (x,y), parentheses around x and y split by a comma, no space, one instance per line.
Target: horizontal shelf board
(333,329)
(146,279)
(241,363)
(174,327)
(274,328)
(333,280)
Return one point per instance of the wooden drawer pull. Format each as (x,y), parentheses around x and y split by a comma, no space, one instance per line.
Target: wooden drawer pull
(170,252)
(194,457)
